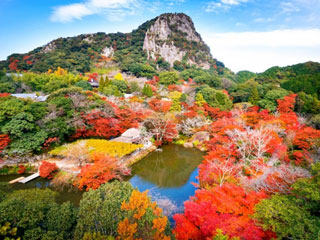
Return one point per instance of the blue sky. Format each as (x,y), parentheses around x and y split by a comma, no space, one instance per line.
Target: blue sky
(244,34)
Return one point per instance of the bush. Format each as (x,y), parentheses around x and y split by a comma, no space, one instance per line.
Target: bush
(315,121)
(47,170)
(167,78)
(120,84)
(134,87)
(216,98)
(84,85)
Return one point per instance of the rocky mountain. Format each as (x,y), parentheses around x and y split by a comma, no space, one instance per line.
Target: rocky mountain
(174,38)
(169,40)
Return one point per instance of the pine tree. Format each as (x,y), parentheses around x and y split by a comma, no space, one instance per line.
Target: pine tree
(147,90)
(101,83)
(107,81)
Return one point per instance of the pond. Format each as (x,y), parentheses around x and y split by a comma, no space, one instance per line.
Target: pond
(168,175)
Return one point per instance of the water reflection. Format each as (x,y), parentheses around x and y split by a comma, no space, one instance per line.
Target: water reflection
(168,176)
(170,168)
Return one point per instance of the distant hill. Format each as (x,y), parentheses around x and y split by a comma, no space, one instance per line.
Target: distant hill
(169,40)
(299,77)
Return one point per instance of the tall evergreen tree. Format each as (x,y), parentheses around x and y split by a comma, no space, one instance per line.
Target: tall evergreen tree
(254,96)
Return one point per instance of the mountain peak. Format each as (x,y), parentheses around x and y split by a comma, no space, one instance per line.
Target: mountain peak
(172,36)
(169,40)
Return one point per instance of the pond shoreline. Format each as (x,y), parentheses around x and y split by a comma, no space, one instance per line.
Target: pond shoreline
(167,175)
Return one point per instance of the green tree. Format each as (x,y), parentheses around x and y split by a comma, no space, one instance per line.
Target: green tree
(243,76)
(287,217)
(210,79)
(20,124)
(36,215)
(147,90)
(254,96)
(102,83)
(167,78)
(270,99)
(60,221)
(10,107)
(216,98)
(100,209)
(307,103)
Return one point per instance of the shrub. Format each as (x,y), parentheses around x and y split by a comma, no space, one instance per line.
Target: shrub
(104,169)
(216,98)
(47,169)
(167,78)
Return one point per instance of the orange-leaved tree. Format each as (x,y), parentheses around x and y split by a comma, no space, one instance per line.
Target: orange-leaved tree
(144,219)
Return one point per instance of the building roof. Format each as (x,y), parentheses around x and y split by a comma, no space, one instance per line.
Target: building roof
(131,133)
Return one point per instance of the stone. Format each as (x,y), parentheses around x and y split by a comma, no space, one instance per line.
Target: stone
(200,137)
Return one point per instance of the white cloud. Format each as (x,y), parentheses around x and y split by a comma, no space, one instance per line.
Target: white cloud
(257,51)
(70,12)
(216,7)
(233,2)
(263,20)
(222,5)
(289,7)
(113,9)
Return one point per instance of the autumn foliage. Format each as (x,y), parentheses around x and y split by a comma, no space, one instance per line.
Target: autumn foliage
(103,169)
(227,208)
(4,141)
(100,124)
(159,105)
(47,169)
(144,219)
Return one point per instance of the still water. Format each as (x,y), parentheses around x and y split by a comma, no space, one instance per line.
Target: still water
(167,175)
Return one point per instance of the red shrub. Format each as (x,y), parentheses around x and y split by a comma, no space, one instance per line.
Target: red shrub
(104,169)
(306,138)
(47,169)
(4,95)
(4,141)
(159,105)
(22,169)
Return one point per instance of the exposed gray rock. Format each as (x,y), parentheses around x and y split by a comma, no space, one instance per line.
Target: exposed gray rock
(167,36)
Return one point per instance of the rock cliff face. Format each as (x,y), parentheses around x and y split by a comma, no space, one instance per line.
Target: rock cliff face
(174,38)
